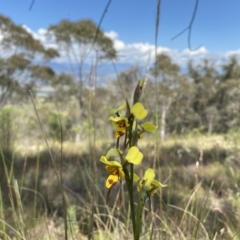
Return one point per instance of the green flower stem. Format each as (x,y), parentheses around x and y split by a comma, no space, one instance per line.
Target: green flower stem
(131,197)
(130,131)
(117,144)
(130,180)
(139,216)
(125,141)
(130,193)
(130,145)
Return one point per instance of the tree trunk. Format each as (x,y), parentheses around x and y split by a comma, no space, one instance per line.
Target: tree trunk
(80,111)
(165,107)
(163,123)
(210,124)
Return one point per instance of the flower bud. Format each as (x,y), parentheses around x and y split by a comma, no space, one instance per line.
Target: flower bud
(138,91)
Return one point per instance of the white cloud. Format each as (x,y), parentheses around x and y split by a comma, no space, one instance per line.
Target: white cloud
(137,52)
(235,52)
(112,34)
(132,53)
(119,45)
(128,53)
(201,50)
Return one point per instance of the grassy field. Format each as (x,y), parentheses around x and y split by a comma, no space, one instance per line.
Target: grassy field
(201,201)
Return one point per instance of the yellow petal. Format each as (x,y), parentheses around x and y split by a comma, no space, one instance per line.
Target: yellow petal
(104,160)
(121,173)
(119,132)
(141,82)
(134,156)
(139,111)
(135,177)
(154,186)
(111,180)
(111,153)
(116,120)
(158,184)
(112,169)
(149,176)
(123,106)
(149,127)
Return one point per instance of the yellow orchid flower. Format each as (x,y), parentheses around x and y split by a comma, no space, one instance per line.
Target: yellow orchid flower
(119,121)
(121,124)
(111,180)
(139,111)
(134,156)
(115,170)
(148,183)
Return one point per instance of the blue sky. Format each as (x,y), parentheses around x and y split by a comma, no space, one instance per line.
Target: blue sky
(216,26)
(131,24)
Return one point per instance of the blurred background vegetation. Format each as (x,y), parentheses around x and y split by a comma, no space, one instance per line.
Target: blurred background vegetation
(195,150)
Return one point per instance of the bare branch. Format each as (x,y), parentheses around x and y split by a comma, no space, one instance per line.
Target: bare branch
(157,25)
(31,6)
(189,28)
(101,19)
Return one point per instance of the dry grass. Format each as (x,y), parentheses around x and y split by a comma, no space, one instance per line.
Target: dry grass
(200,202)
(199,141)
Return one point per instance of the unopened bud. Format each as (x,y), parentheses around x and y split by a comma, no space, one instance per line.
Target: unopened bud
(138,91)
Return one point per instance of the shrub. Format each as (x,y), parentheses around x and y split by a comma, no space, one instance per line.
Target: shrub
(57,123)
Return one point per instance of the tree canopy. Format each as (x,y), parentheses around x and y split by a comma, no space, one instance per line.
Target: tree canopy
(18,69)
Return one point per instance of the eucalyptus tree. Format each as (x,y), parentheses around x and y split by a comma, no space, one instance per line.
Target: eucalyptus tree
(205,78)
(84,45)
(20,52)
(65,88)
(228,95)
(169,86)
